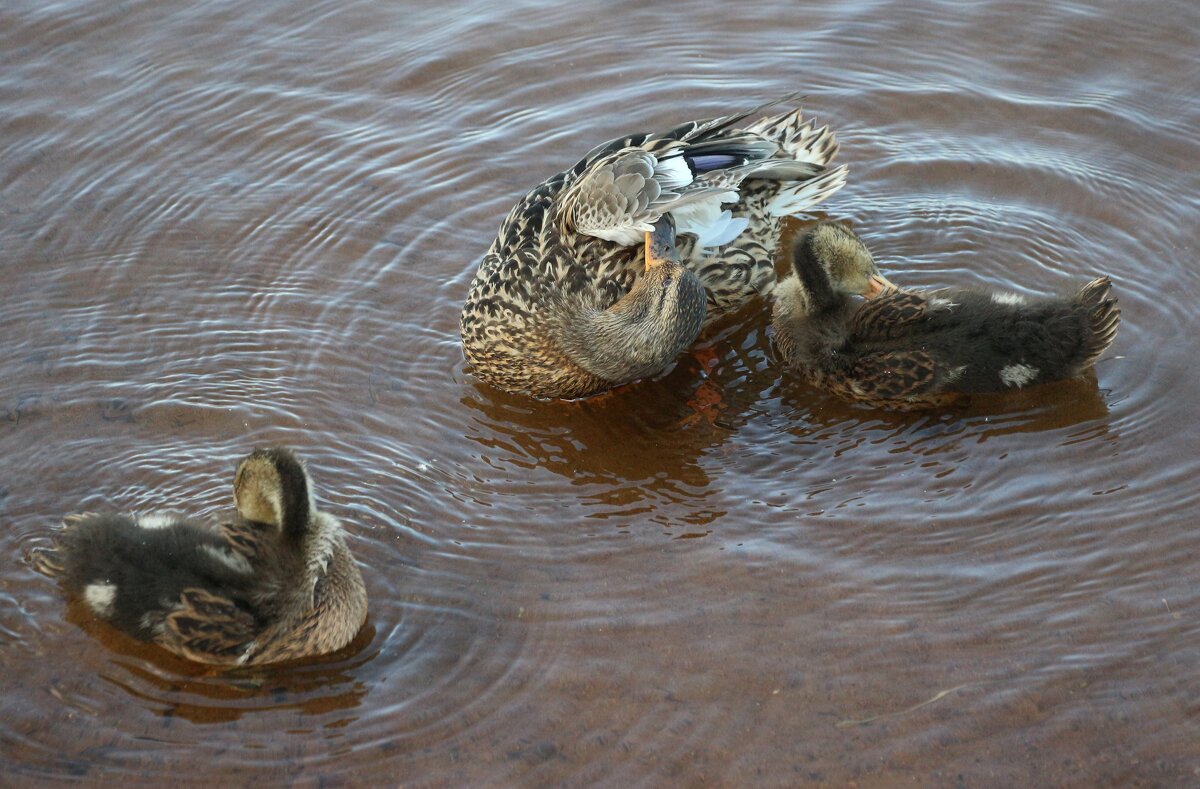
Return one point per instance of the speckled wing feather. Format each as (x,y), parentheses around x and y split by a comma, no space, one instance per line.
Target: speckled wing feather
(244,539)
(888,377)
(208,628)
(889,315)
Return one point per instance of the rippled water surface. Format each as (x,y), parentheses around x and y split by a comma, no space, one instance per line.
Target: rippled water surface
(226,224)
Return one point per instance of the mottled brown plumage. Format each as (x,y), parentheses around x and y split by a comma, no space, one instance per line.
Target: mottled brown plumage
(906,350)
(275,583)
(563,304)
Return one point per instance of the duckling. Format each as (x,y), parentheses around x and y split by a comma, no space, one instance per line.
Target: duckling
(906,350)
(275,583)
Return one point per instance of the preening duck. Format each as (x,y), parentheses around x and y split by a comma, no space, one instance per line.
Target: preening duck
(275,583)
(565,303)
(907,350)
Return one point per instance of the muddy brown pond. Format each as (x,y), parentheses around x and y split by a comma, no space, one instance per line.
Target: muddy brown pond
(231,224)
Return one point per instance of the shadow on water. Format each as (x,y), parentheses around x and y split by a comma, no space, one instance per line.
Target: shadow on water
(1050,407)
(176,688)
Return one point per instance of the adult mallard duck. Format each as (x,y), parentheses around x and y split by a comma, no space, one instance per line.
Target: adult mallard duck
(276,583)
(565,303)
(906,350)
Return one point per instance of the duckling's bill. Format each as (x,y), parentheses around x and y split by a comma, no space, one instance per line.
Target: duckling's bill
(877,286)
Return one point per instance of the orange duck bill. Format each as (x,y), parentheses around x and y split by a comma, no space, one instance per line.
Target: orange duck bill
(878,285)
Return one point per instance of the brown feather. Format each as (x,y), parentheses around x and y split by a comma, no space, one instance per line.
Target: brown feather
(887,316)
(208,628)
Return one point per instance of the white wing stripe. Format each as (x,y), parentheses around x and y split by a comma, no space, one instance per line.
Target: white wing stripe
(672,173)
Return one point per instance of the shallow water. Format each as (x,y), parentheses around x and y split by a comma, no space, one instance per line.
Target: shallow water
(235,223)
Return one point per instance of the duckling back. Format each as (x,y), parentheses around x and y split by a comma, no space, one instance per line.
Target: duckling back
(136,572)
(990,342)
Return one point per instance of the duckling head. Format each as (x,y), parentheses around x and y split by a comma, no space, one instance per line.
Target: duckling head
(271,486)
(831,262)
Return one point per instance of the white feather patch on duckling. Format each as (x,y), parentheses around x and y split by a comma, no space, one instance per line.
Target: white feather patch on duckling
(1017,375)
(101,598)
(155,520)
(1011,299)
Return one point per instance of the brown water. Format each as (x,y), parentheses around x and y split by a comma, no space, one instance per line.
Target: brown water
(234,223)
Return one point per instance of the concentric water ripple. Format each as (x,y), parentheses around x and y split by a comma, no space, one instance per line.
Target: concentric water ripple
(233,224)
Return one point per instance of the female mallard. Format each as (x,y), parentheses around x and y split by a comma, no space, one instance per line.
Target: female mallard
(905,350)
(276,583)
(565,304)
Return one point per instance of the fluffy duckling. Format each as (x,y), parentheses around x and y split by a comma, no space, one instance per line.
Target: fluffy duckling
(906,350)
(275,583)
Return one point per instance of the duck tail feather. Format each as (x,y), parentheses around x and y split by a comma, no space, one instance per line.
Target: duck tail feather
(718,125)
(798,197)
(799,139)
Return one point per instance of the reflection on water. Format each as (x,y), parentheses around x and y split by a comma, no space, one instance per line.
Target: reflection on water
(242,223)
(173,687)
